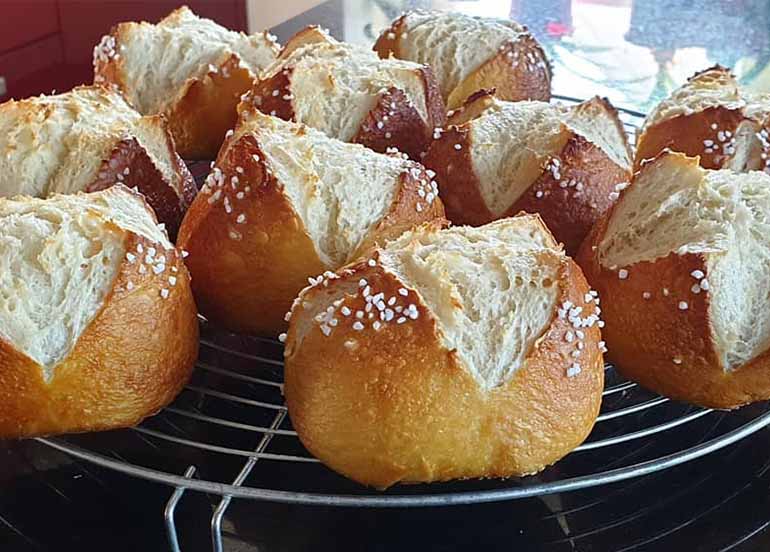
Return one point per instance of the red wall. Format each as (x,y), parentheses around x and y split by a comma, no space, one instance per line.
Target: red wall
(47,44)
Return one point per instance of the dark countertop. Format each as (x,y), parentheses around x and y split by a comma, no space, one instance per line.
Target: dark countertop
(632,52)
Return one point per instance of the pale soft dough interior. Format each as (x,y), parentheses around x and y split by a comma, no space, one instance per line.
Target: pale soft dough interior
(453,44)
(158,59)
(592,120)
(56,144)
(748,149)
(510,143)
(58,260)
(493,289)
(335,85)
(339,190)
(677,207)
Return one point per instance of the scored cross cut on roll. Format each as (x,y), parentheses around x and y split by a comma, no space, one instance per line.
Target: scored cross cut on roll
(682,263)
(284,203)
(468,54)
(350,94)
(458,353)
(187,68)
(98,326)
(496,158)
(88,139)
(712,117)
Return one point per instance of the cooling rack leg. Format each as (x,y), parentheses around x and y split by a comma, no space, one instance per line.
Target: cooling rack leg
(216,518)
(173,540)
(216,523)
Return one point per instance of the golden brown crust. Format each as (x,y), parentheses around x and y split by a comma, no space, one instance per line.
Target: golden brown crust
(517,72)
(206,109)
(246,275)
(569,205)
(131,361)
(312,34)
(570,212)
(388,44)
(168,203)
(653,341)
(394,405)
(458,184)
(108,70)
(473,107)
(271,96)
(395,122)
(689,134)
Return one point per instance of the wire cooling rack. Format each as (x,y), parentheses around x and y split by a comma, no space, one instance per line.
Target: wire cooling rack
(228,434)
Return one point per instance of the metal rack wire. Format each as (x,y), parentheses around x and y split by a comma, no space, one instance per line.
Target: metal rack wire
(231,420)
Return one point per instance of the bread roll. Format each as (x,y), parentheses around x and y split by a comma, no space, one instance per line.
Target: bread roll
(187,68)
(284,203)
(87,140)
(350,94)
(98,326)
(711,117)
(681,262)
(459,353)
(500,158)
(468,54)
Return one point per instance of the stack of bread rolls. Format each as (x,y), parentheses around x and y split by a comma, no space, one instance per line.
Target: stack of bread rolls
(415,350)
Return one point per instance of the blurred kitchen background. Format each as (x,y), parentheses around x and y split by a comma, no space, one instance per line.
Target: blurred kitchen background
(632,51)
